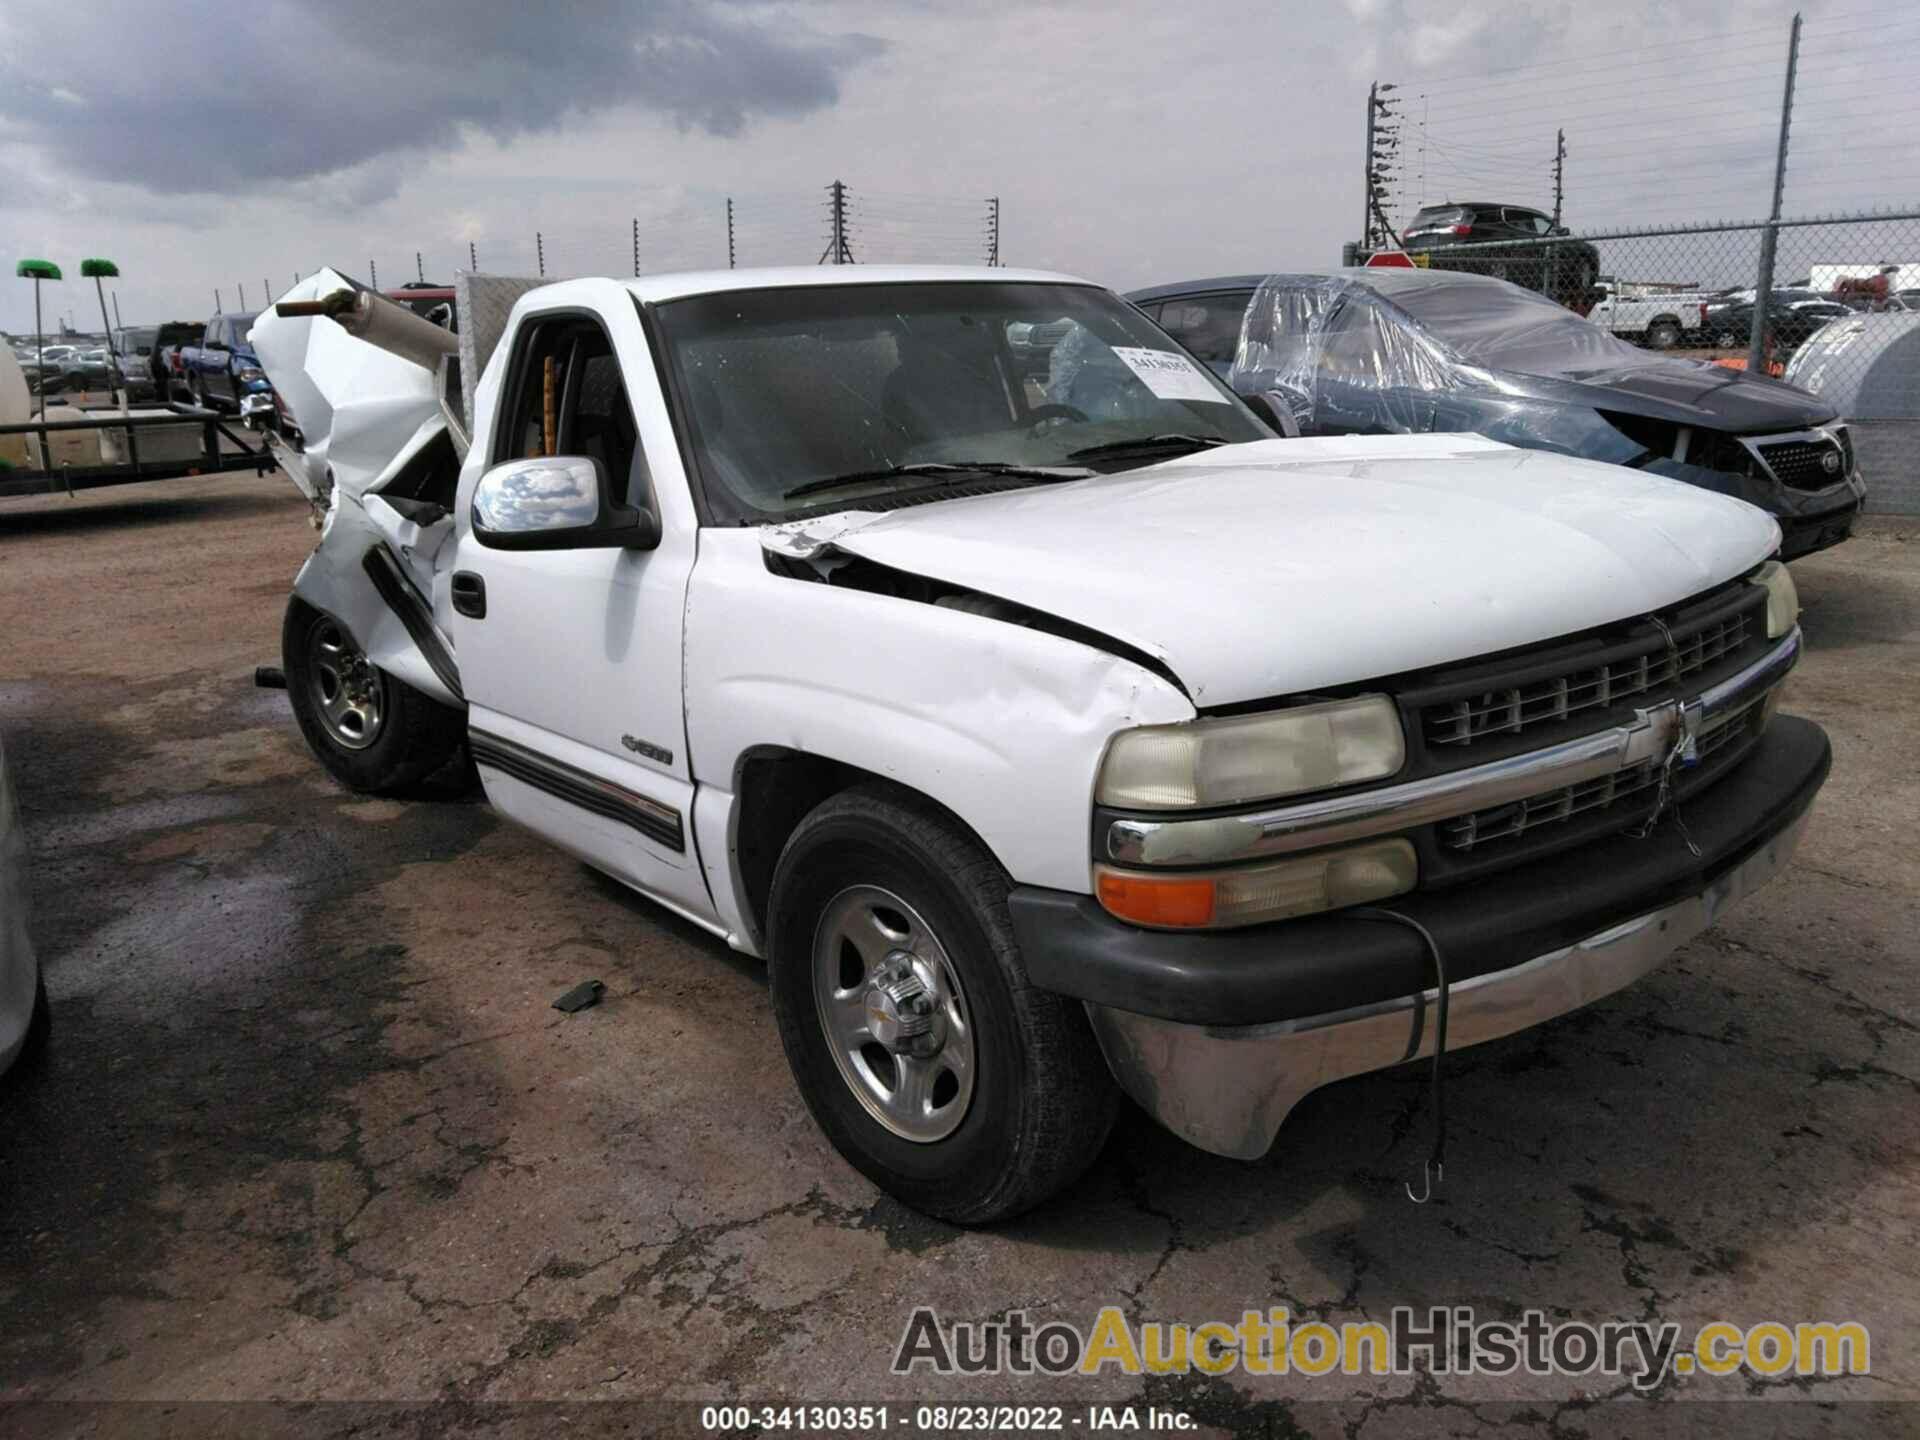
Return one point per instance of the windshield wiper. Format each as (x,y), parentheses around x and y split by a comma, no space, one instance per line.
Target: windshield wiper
(936,468)
(1144,444)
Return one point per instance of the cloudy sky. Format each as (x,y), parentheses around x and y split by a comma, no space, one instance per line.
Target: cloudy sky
(205,146)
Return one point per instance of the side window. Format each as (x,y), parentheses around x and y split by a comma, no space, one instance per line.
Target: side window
(568,397)
(1208,325)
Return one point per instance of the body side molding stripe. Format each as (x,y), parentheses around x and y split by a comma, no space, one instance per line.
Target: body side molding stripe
(565,782)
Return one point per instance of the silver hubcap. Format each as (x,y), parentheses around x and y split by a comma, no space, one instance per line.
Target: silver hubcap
(893,1013)
(349,693)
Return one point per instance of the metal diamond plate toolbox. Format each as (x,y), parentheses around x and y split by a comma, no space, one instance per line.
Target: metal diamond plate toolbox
(483,303)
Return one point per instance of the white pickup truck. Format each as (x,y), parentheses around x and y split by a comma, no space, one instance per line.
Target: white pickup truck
(1659,322)
(1049,735)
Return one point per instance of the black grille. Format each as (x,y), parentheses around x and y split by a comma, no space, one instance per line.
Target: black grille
(1646,666)
(1802,464)
(1520,817)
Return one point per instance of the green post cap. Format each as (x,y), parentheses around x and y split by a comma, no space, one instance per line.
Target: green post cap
(101,269)
(37,270)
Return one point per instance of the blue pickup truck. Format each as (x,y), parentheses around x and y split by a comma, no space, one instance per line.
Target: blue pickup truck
(223,370)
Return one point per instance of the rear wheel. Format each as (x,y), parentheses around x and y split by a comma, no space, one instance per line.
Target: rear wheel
(372,732)
(1663,334)
(904,1009)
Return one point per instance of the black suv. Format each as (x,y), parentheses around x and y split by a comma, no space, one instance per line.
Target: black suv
(1508,242)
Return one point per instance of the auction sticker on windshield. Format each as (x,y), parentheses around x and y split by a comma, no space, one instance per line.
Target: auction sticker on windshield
(1169,376)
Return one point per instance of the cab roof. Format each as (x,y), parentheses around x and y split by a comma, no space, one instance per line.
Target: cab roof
(653,289)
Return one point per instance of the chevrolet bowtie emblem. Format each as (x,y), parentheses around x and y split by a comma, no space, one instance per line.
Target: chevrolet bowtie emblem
(1672,731)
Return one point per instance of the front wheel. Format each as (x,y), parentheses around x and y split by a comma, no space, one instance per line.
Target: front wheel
(372,732)
(905,1012)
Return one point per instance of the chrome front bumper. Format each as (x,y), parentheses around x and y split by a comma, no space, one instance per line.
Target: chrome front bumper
(1227,1089)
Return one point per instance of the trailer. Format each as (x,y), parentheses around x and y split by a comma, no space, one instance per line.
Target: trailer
(70,450)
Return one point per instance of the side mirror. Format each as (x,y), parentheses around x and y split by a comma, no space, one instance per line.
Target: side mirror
(557,502)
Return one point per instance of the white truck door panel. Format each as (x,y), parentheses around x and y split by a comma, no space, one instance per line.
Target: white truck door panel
(573,672)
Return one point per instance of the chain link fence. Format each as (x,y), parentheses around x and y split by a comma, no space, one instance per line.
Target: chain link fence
(1841,318)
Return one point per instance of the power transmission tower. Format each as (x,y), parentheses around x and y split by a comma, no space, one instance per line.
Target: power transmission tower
(473,257)
(729,232)
(373,275)
(540,251)
(993,230)
(1383,144)
(242,287)
(266,291)
(419,268)
(636,245)
(837,245)
(1559,172)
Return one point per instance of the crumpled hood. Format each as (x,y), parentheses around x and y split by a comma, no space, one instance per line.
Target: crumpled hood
(1683,392)
(360,409)
(1285,566)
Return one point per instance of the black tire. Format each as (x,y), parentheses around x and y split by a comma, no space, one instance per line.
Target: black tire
(1663,334)
(1042,1102)
(417,735)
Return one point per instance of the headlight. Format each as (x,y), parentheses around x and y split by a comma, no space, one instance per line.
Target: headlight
(1783,601)
(1253,894)
(1243,758)
(251,373)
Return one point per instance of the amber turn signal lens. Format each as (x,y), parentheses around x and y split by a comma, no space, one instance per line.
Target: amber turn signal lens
(1160,900)
(1251,894)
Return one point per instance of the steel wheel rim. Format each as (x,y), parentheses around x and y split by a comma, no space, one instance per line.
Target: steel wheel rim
(871,949)
(349,694)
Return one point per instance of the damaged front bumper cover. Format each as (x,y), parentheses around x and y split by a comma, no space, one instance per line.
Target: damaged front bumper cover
(1220,1035)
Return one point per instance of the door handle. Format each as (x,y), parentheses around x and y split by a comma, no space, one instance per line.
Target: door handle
(469,594)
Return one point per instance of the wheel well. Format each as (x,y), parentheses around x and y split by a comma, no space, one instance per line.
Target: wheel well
(776,789)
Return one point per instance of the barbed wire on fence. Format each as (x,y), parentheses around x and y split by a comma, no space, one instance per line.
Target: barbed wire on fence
(792,228)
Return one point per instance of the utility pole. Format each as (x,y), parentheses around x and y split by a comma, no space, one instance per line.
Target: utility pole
(1366,172)
(636,245)
(1559,173)
(242,288)
(473,257)
(729,232)
(266,292)
(373,274)
(1770,237)
(540,251)
(118,323)
(1383,139)
(218,308)
(419,268)
(837,246)
(993,230)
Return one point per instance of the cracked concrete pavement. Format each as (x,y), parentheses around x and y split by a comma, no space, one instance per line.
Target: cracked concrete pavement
(309,1130)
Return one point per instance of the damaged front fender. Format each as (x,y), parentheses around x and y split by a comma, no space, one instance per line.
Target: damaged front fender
(368,416)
